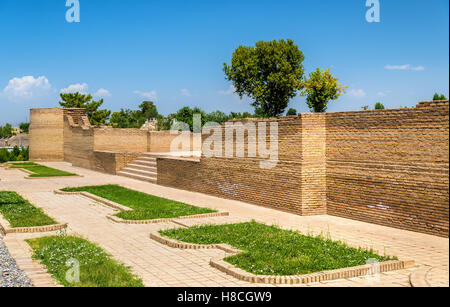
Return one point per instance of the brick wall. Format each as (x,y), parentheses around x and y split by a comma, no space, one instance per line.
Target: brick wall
(120,140)
(296,184)
(111,162)
(46,134)
(160,141)
(390,167)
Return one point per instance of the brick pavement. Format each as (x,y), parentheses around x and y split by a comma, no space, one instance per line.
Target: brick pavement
(159,265)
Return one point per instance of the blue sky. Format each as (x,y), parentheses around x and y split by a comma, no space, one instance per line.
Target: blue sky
(172,51)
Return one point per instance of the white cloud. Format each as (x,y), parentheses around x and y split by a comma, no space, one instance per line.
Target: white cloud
(404,67)
(153,95)
(185,92)
(381,94)
(231,90)
(102,93)
(81,88)
(357,93)
(27,87)
(418,68)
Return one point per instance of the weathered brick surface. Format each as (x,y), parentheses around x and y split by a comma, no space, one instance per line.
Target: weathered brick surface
(390,167)
(120,140)
(46,134)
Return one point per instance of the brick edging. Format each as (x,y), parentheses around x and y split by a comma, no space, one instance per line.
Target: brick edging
(136,222)
(418,278)
(221,265)
(7,230)
(165,220)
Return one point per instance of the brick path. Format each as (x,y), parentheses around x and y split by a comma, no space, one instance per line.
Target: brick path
(159,265)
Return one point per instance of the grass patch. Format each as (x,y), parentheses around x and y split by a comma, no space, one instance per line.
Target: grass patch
(145,206)
(20,213)
(41,170)
(269,250)
(97,269)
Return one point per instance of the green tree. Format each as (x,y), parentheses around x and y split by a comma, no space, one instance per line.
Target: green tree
(6,131)
(379,106)
(439,97)
(217,117)
(320,88)
(128,119)
(291,112)
(25,127)
(149,110)
(78,100)
(186,115)
(239,115)
(365,108)
(270,73)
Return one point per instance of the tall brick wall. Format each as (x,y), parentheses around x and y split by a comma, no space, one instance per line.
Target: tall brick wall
(120,140)
(46,134)
(296,184)
(390,167)
(160,141)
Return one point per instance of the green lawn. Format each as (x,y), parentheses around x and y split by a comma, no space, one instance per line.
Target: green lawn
(269,250)
(145,206)
(97,269)
(40,170)
(20,213)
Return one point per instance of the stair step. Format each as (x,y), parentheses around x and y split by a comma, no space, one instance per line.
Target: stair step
(138,171)
(136,176)
(148,159)
(144,167)
(144,162)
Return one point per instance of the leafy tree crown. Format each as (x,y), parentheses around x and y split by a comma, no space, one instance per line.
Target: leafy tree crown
(270,73)
(320,88)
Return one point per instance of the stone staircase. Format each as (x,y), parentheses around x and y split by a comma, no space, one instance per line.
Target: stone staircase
(143,168)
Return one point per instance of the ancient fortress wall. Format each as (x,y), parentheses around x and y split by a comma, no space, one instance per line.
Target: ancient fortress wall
(389,167)
(47,134)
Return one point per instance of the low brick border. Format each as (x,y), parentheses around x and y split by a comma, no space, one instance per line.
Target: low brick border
(418,278)
(5,228)
(221,265)
(137,222)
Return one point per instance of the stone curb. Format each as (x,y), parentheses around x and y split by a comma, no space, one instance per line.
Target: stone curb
(166,220)
(136,222)
(418,278)
(5,228)
(221,265)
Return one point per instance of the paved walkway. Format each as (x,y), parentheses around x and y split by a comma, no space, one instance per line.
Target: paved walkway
(159,265)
